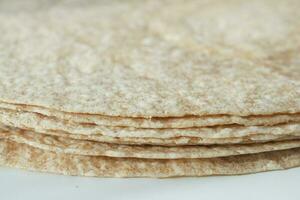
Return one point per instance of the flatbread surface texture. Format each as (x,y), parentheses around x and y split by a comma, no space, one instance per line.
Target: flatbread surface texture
(203,58)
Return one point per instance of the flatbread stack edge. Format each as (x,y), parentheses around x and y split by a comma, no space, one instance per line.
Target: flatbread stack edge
(91,148)
(26,157)
(203,90)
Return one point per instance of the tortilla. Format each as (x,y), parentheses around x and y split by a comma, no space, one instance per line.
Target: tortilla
(89,148)
(201,59)
(29,158)
(154,122)
(124,89)
(44,123)
(175,141)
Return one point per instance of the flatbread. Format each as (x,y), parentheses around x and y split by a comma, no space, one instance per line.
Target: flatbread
(154,122)
(131,59)
(43,123)
(83,147)
(175,141)
(29,158)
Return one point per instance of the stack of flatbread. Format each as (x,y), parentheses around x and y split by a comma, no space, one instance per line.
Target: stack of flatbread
(150,88)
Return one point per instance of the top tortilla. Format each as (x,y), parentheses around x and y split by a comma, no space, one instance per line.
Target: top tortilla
(134,59)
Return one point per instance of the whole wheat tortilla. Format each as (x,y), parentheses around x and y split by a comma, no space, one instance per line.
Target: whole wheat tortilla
(83,147)
(131,59)
(40,122)
(162,122)
(175,141)
(29,158)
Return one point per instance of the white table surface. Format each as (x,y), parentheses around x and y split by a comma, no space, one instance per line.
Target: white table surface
(276,185)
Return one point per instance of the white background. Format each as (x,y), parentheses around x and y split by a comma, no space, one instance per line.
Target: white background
(277,185)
